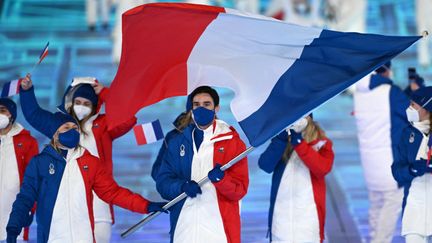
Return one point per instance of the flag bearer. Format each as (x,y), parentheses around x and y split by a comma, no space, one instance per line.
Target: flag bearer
(210,213)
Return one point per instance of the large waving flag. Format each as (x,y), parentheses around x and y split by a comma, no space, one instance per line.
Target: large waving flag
(278,71)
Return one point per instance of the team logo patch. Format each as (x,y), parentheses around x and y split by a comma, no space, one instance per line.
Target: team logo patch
(182,150)
(221,149)
(20,145)
(85,167)
(411,138)
(51,169)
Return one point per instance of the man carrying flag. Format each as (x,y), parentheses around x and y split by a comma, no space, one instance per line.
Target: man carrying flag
(211,213)
(268,64)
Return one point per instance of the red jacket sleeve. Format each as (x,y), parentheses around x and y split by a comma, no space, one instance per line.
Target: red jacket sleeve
(103,95)
(319,162)
(122,129)
(32,150)
(234,184)
(109,191)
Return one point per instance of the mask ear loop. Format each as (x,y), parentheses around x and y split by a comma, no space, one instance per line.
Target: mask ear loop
(197,126)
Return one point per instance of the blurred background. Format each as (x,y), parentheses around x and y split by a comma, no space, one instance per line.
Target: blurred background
(85,40)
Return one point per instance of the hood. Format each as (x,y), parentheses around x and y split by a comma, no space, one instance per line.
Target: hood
(377,80)
(68,95)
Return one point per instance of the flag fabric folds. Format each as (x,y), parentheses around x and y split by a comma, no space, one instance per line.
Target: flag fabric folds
(278,71)
(148,133)
(11,88)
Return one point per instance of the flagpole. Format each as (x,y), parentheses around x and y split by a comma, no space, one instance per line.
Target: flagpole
(182,196)
(34,66)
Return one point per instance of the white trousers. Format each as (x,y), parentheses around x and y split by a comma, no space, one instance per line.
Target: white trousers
(102,232)
(384,212)
(92,11)
(416,238)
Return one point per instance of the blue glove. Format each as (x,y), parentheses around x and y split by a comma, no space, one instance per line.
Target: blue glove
(428,167)
(191,188)
(296,138)
(29,220)
(418,168)
(216,174)
(156,207)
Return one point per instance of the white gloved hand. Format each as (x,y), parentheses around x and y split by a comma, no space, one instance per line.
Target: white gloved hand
(298,126)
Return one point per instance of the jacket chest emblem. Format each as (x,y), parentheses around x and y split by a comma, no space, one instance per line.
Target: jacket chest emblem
(182,150)
(51,169)
(19,145)
(221,150)
(411,138)
(85,167)
(96,125)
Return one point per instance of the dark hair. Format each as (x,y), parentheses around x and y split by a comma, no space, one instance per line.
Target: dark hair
(208,90)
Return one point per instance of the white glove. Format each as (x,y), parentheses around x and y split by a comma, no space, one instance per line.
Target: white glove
(298,126)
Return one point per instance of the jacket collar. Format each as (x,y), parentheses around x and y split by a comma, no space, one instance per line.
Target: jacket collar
(16,129)
(72,153)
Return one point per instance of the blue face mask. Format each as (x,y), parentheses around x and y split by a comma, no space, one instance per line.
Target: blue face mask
(203,116)
(69,139)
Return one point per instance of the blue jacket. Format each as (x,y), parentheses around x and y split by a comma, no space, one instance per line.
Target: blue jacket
(38,185)
(399,102)
(162,150)
(271,162)
(175,170)
(318,162)
(406,155)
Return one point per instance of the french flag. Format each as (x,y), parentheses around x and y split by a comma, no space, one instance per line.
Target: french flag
(44,53)
(11,88)
(148,132)
(278,71)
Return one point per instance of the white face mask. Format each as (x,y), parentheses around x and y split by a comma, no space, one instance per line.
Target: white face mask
(81,111)
(4,121)
(300,125)
(412,114)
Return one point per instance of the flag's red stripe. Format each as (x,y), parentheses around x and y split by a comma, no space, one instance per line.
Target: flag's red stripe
(139,135)
(157,41)
(18,86)
(43,56)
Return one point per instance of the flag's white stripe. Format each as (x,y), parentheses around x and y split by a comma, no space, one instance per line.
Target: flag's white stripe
(149,133)
(13,87)
(235,48)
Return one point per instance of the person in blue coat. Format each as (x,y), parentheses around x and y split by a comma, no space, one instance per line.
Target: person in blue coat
(211,212)
(61,180)
(379,110)
(412,168)
(180,123)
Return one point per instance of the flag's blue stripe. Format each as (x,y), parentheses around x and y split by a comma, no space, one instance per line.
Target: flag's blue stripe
(329,65)
(157,130)
(5,90)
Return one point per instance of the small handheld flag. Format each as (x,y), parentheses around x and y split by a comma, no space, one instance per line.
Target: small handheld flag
(44,53)
(148,132)
(11,88)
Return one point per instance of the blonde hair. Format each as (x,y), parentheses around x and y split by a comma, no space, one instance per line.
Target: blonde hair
(183,121)
(312,132)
